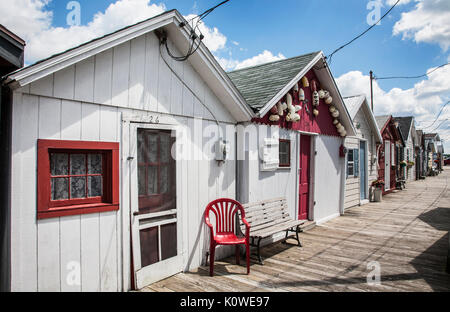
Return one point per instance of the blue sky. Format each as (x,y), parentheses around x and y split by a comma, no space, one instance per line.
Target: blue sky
(294,27)
(413,39)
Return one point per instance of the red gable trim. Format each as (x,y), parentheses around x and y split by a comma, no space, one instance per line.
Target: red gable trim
(322,124)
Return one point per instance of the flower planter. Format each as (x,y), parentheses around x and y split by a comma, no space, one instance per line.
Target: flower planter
(377,194)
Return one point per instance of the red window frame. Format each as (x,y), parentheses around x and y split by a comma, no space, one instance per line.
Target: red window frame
(109,201)
(288,164)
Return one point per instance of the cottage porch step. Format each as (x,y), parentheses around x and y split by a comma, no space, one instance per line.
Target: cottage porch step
(308,225)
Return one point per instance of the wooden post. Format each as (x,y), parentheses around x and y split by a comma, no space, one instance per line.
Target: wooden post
(371,90)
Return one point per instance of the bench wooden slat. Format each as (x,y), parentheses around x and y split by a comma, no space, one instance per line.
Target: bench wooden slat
(271,206)
(271,215)
(268,224)
(265,211)
(264,202)
(266,232)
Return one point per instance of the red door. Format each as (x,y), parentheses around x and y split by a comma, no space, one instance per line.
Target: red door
(305,160)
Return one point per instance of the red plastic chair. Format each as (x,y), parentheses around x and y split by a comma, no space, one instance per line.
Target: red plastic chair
(225,212)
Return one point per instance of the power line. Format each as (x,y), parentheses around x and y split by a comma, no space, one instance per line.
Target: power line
(196,39)
(413,77)
(439,125)
(362,34)
(439,115)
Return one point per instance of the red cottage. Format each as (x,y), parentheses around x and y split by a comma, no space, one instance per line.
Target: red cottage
(388,152)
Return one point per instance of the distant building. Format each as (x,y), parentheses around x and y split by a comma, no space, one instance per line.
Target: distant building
(365,144)
(389,152)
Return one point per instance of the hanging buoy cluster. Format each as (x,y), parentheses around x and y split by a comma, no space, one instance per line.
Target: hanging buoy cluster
(334,113)
(287,108)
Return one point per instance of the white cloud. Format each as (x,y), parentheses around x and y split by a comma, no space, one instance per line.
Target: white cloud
(214,39)
(423,101)
(266,56)
(428,22)
(31,20)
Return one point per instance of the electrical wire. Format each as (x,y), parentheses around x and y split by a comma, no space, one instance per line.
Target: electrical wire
(439,115)
(414,77)
(193,47)
(440,125)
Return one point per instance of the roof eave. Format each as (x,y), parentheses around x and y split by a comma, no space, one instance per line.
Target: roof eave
(372,120)
(27,75)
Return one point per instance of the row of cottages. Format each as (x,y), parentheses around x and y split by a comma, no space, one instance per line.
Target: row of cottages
(434,153)
(421,156)
(116,149)
(409,153)
(361,163)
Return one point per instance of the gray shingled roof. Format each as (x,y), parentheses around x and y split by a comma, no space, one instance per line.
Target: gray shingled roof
(259,84)
(404,123)
(381,121)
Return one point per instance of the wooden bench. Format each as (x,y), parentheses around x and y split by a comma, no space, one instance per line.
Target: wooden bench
(267,218)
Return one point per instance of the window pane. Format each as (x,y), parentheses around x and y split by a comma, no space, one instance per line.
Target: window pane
(95,163)
(350,155)
(77,164)
(141,181)
(95,187)
(152,180)
(168,241)
(284,153)
(152,148)
(165,148)
(149,246)
(350,169)
(59,164)
(78,187)
(164,179)
(60,188)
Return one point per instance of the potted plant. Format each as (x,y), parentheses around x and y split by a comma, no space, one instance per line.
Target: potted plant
(411,164)
(377,190)
(403,163)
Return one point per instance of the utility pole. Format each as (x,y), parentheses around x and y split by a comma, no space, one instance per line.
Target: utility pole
(371,90)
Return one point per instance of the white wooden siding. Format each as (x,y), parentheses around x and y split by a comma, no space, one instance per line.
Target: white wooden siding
(257,185)
(352,186)
(86,102)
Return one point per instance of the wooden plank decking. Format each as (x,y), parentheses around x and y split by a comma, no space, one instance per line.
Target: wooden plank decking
(407,234)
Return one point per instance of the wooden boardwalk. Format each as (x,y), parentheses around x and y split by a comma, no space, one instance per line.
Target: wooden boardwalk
(407,234)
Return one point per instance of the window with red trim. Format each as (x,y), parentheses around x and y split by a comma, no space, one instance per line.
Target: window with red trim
(76,177)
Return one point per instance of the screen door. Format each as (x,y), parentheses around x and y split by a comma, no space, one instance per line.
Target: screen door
(155,219)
